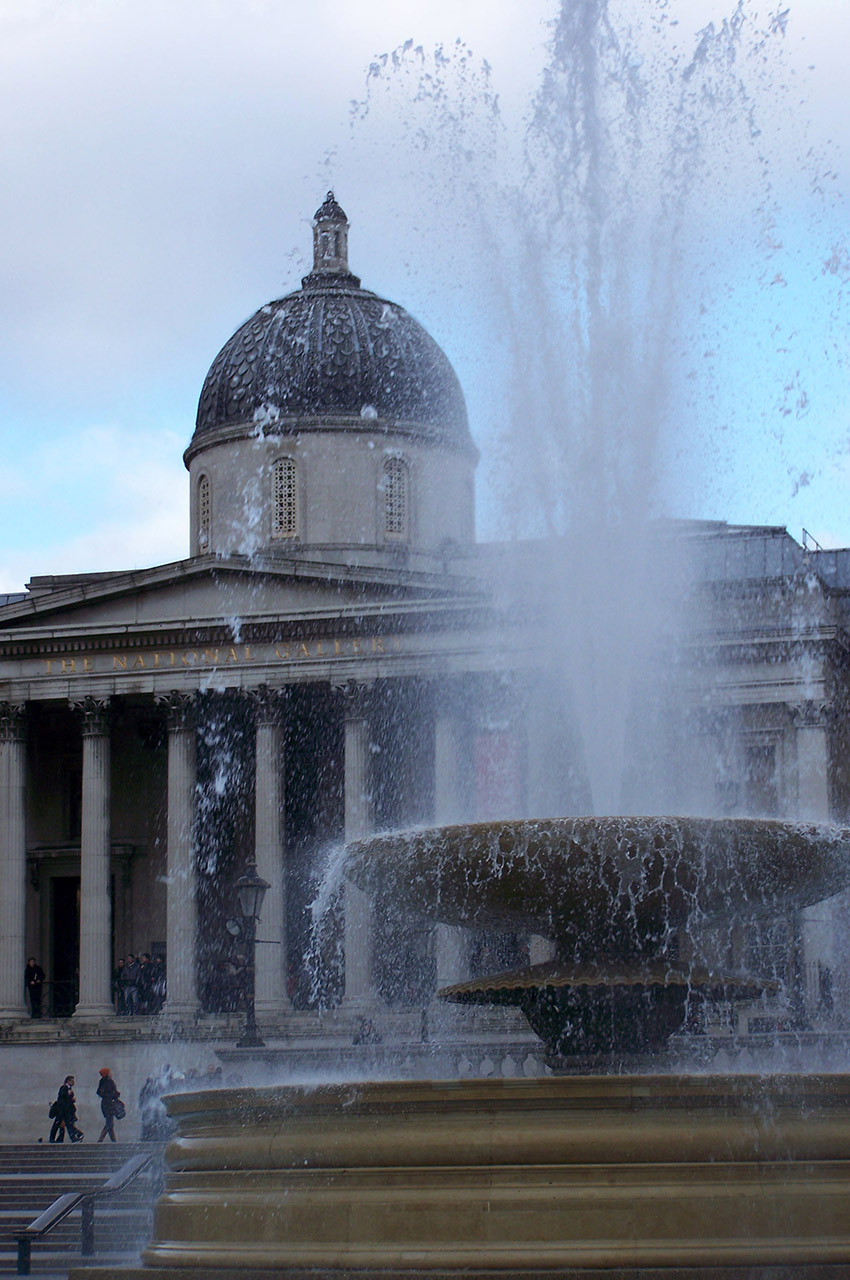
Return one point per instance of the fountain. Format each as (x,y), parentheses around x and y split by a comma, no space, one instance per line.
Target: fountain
(614,895)
(504,1177)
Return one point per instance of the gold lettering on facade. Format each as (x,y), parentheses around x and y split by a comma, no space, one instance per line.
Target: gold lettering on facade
(285,651)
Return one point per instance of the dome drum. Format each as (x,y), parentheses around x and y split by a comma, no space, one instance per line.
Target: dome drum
(340,485)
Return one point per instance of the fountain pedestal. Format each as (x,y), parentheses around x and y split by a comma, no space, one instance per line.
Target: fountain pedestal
(648,1175)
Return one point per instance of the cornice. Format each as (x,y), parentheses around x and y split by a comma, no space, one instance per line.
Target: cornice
(285,427)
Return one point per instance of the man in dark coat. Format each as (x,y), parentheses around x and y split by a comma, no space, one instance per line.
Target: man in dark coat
(34,983)
(65,1113)
(158,982)
(145,985)
(130,981)
(118,987)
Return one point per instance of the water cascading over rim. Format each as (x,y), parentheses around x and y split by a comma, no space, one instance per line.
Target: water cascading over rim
(612,894)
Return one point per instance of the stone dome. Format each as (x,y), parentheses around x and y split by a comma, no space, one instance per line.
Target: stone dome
(333,349)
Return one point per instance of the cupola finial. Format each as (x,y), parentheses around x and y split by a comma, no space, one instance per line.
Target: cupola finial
(330,238)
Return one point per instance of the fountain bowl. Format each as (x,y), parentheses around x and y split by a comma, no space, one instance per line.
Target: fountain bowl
(510,1177)
(603,886)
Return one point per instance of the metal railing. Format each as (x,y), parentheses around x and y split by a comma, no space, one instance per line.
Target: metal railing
(84,1200)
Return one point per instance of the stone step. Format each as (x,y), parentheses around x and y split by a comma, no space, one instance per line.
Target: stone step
(68,1155)
(32,1177)
(14,1197)
(55,1264)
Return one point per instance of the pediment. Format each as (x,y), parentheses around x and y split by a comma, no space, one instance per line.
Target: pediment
(193,593)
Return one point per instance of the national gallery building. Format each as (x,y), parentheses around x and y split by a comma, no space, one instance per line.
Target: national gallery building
(338,655)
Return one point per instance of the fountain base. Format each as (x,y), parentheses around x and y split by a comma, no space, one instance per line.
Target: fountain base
(510,1177)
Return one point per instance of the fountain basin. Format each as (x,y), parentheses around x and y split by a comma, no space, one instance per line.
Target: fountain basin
(510,1176)
(603,886)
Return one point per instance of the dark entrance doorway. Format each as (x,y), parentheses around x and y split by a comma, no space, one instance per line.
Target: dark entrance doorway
(65,944)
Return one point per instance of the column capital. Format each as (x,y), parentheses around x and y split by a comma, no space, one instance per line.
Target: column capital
(179,708)
(356,697)
(814,713)
(94,713)
(13,726)
(268,705)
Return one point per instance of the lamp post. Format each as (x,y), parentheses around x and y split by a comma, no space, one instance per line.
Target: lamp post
(250,891)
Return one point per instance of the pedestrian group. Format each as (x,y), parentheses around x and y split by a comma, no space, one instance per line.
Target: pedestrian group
(138,984)
(63,1111)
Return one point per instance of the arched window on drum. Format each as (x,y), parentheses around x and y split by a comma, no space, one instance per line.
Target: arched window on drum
(396,498)
(204,514)
(285,499)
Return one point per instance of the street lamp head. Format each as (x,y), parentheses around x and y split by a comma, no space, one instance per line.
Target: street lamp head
(250,891)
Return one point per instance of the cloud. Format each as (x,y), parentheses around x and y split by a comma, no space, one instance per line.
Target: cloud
(108,501)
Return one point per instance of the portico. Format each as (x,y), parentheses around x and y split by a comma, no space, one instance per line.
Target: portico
(144,729)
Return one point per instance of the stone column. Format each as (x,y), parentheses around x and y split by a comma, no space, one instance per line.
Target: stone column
(95,998)
(811,720)
(181,902)
(359,989)
(269,851)
(13,859)
(814,927)
(449,941)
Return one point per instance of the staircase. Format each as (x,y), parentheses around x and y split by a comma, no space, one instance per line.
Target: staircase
(33,1176)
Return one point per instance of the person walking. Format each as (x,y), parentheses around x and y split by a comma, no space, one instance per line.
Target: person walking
(110,1104)
(64,1112)
(34,983)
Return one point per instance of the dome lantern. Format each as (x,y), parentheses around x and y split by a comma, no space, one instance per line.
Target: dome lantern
(330,247)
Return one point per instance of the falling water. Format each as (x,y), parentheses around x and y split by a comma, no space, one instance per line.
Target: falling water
(577,247)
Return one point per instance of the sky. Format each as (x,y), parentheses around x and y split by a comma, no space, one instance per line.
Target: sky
(161,164)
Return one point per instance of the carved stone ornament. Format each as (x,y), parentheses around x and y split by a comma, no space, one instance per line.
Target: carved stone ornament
(268,705)
(356,697)
(12,722)
(812,714)
(179,709)
(94,713)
